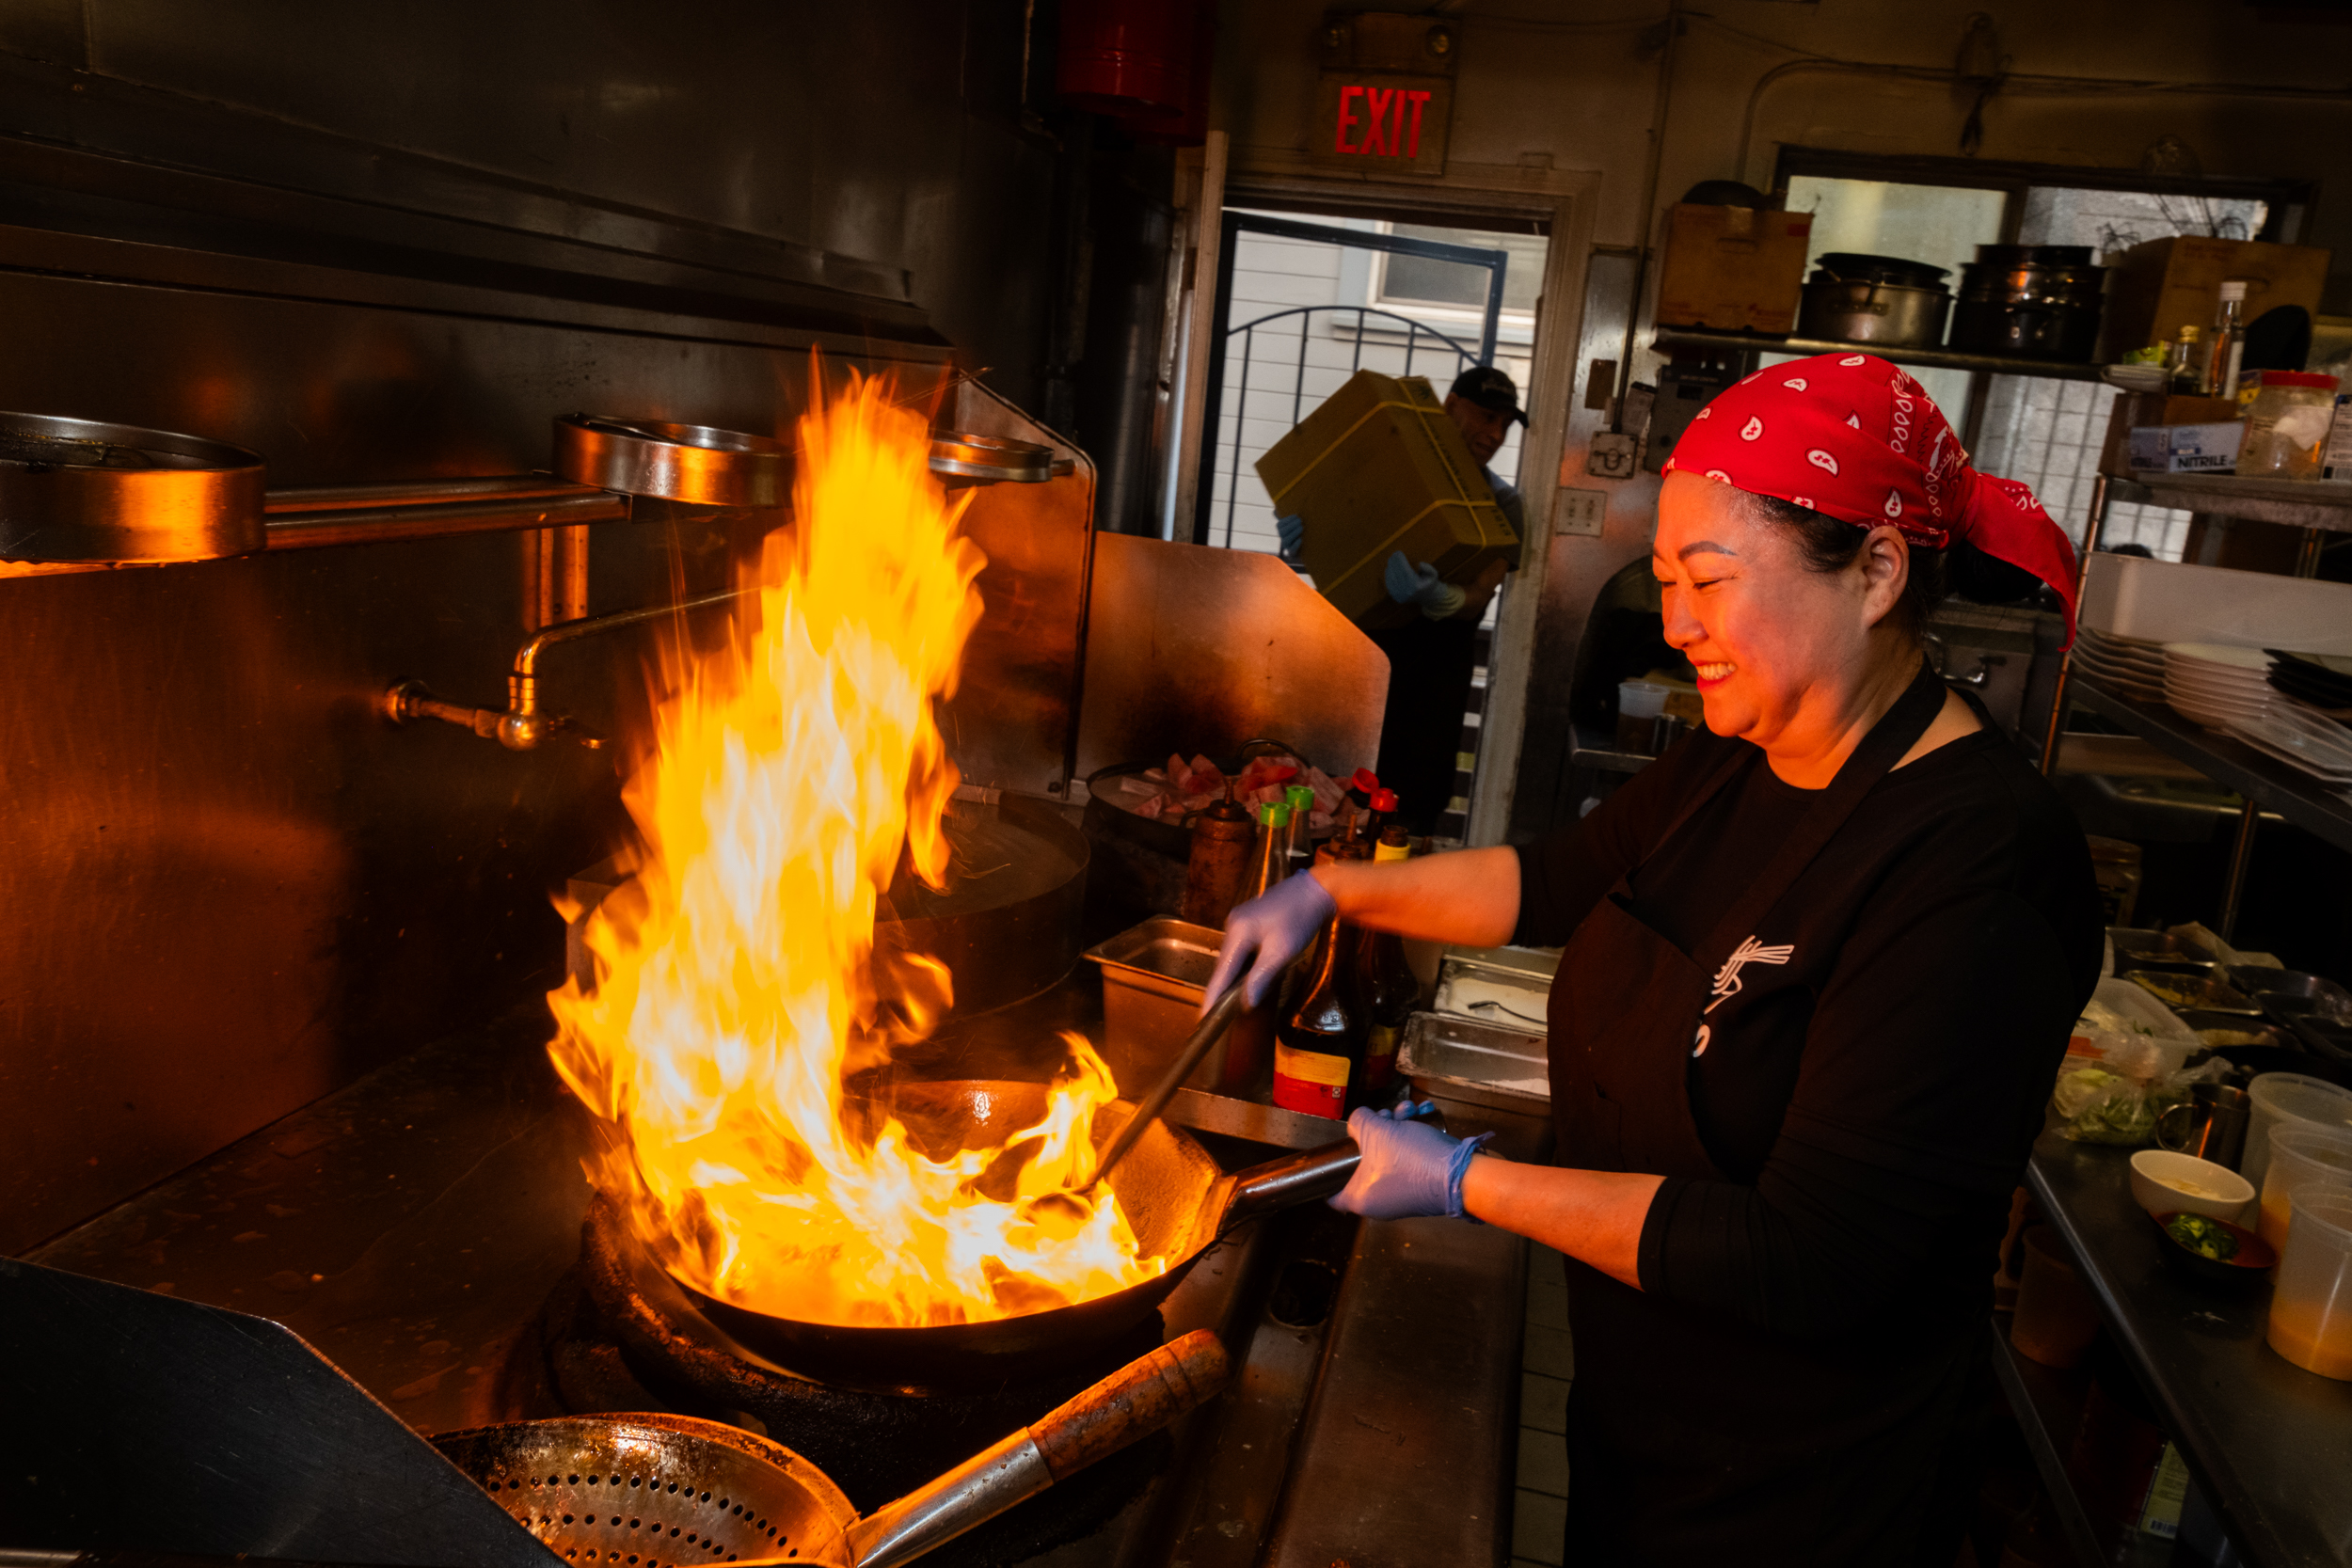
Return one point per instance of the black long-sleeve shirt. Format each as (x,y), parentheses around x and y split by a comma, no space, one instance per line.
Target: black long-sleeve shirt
(1872,1098)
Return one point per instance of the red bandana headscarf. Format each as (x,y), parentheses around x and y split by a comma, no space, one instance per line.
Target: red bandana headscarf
(1856,438)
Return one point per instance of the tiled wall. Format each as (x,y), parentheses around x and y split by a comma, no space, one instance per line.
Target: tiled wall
(1540,1505)
(2048,434)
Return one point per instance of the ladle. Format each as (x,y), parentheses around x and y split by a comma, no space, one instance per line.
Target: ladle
(1074,1204)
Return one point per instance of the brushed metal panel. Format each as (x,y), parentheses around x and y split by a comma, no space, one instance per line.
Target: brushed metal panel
(1012,723)
(1192,649)
(225,887)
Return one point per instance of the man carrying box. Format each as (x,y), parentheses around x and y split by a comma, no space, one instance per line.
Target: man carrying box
(1433,654)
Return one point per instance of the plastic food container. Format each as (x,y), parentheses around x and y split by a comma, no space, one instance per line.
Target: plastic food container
(2302,1159)
(1640,705)
(2286,426)
(2291,1100)
(2310,1305)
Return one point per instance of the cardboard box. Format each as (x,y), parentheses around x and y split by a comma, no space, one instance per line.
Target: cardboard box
(1733,269)
(2187,449)
(2132,410)
(1380,467)
(2161,286)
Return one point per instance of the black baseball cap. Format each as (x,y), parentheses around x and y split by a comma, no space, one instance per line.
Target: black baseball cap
(1490,389)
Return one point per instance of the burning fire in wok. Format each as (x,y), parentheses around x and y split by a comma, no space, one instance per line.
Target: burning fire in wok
(736,979)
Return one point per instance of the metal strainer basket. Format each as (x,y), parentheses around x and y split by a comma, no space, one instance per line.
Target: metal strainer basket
(656,1491)
(660,1491)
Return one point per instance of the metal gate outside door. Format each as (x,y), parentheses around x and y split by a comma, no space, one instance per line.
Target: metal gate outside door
(1264,343)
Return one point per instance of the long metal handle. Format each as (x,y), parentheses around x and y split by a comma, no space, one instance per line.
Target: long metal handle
(1133,1403)
(1280,1183)
(1204,1034)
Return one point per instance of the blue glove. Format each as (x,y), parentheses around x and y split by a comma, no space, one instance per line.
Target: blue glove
(1409,1169)
(1267,934)
(1292,531)
(1420,585)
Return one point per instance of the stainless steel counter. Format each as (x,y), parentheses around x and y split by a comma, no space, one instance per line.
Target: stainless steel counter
(2269,1444)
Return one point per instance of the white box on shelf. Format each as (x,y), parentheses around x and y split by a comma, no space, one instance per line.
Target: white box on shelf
(2165,601)
(2186,448)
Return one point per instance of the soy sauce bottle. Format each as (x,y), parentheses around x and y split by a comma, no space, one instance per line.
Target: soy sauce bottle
(1388,991)
(1319,1065)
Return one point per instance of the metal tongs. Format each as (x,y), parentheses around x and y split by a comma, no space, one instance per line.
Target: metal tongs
(1078,1202)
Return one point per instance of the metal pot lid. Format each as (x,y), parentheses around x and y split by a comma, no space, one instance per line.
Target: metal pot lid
(701,464)
(79,490)
(2033,255)
(993,459)
(1855,267)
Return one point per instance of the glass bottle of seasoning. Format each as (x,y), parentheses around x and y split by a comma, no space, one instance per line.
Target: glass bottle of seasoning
(1319,1048)
(1389,991)
(1273,862)
(1301,799)
(1224,843)
(1376,818)
(2182,365)
(1396,843)
(2228,340)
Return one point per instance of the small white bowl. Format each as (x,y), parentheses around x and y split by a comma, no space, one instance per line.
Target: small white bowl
(2154,1169)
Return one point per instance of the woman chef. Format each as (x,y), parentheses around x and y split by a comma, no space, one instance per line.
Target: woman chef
(1821,961)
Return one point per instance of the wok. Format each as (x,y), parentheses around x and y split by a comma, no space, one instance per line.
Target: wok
(1175,1196)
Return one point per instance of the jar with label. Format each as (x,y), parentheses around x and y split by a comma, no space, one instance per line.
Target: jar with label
(2286,426)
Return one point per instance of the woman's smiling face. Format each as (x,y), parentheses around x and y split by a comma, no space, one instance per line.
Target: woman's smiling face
(1782,650)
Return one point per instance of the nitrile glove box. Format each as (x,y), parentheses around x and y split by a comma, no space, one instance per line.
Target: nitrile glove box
(2186,448)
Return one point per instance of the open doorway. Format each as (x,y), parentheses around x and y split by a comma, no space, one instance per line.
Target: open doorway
(1307,300)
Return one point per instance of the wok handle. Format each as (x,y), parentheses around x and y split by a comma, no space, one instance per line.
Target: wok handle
(1281,1184)
(1135,1402)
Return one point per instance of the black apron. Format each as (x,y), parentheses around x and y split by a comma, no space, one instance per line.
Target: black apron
(1695,1437)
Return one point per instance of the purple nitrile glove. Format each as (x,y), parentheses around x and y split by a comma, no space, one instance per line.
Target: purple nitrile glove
(1266,934)
(1409,1169)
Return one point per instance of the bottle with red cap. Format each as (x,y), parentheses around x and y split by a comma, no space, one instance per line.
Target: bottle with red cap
(1376,815)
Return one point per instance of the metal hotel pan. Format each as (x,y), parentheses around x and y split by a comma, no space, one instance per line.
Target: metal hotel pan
(1174,1195)
(661,1490)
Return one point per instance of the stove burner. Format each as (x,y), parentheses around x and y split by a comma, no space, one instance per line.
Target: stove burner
(620,1334)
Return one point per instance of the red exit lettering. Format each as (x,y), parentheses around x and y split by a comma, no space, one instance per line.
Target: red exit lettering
(1389,122)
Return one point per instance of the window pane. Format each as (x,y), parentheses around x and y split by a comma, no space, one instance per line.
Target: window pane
(1450,284)
(1940,224)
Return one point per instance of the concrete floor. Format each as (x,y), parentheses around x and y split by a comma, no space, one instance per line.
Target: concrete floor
(1539,1512)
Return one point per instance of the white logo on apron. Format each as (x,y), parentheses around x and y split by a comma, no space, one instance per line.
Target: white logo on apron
(1748,952)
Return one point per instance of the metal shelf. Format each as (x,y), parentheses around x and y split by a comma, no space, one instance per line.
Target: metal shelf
(2272,785)
(2048,1404)
(2293,502)
(1934,359)
(2264,1441)
(1589,747)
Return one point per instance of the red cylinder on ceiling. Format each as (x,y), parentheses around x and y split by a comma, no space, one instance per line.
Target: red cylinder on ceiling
(1126,57)
(1190,127)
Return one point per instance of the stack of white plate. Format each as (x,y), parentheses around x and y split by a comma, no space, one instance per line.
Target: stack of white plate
(2214,685)
(2301,739)
(2124,664)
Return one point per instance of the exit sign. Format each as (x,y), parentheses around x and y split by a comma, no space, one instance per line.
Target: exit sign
(1392,124)
(1385,98)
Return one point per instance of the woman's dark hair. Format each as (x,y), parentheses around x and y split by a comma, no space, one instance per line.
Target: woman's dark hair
(1829,544)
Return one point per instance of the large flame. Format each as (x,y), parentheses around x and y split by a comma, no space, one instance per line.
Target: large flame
(736,984)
